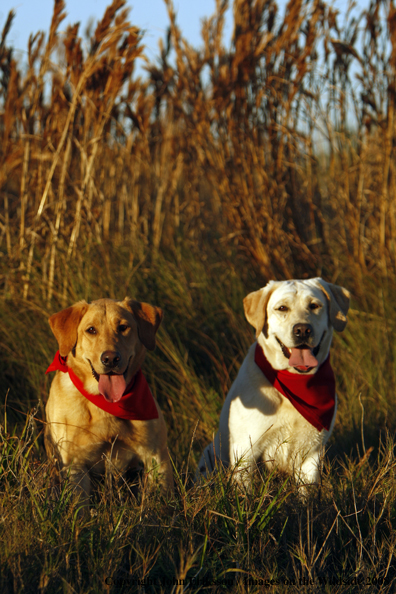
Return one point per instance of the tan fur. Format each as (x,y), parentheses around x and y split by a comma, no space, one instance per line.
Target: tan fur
(84,438)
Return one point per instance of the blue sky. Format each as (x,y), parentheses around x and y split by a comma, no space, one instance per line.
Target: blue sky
(150,15)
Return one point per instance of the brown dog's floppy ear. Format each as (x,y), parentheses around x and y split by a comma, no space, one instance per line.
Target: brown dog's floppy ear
(64,325)
(338,299)
(148,318)
(255,306)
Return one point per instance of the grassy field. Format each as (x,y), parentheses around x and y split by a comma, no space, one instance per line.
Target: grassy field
(223,169)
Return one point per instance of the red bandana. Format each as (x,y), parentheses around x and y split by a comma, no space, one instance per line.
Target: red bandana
(137,402)
(312,395)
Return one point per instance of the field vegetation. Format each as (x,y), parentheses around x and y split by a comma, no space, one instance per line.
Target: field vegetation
(220,168)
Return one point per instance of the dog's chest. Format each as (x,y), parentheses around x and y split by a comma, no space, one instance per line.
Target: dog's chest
(114,454)
(260,418)
(106,442)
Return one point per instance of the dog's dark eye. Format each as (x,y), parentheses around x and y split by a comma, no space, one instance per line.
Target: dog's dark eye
(313,306)
(122,328)
(91,330)
(283,308)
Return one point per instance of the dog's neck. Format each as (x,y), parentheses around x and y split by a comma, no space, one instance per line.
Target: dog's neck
(313,396)
(137,403)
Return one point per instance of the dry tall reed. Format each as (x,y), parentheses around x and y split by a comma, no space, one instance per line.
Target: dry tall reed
(217,145)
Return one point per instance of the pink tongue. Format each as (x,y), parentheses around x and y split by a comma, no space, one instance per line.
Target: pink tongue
(112,387)
(302,358)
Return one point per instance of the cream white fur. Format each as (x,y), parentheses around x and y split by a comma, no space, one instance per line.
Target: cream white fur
(257,422)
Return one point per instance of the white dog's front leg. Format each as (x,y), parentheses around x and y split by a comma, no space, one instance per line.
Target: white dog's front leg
(242,462)
(246,429)
(309,471)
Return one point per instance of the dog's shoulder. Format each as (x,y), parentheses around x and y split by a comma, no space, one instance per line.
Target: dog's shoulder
(66,402)
(251,386)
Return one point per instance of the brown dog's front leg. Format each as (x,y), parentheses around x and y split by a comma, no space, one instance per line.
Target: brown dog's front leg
(158,469)
(80,482)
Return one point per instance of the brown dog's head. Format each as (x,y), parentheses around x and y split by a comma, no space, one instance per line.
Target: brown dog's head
(106,341)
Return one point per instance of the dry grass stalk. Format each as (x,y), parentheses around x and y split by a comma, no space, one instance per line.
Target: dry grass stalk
(232,158)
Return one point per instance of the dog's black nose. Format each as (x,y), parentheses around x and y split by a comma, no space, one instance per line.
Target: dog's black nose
(303,331)
(110,359)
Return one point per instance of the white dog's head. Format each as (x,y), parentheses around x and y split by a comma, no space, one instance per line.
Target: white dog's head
(294,321)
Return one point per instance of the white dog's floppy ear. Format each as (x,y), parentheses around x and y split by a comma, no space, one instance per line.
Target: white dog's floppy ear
(148,318)
(64,325)
(338,299)
(255,306)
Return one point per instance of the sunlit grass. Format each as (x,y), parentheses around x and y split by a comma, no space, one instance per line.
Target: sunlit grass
(210,531)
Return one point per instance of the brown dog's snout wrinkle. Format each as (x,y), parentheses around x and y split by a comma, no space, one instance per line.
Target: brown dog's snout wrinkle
(303,331)
(110,359)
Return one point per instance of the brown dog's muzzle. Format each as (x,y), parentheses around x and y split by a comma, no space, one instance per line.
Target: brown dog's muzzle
(110,359)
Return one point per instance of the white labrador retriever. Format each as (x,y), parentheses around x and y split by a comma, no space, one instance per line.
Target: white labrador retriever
(282,406)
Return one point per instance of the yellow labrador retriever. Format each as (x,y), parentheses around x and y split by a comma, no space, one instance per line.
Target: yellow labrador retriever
(100,412)
(282,406)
